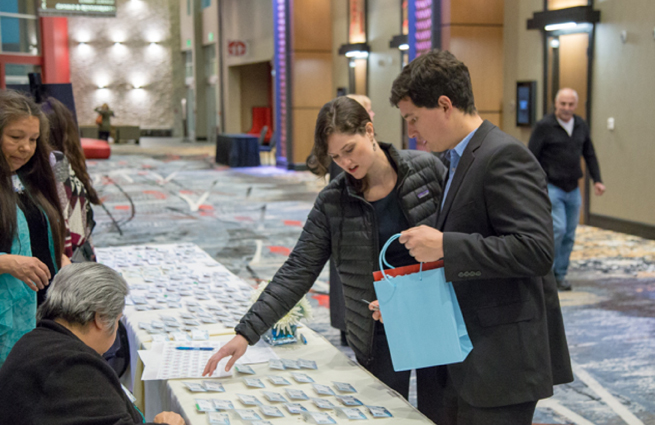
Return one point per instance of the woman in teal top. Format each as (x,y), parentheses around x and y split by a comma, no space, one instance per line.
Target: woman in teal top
(31,225)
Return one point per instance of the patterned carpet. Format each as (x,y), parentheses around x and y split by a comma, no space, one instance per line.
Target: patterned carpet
(249,220)
(603,253)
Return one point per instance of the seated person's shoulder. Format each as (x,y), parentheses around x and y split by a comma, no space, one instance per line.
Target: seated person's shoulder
(62,351)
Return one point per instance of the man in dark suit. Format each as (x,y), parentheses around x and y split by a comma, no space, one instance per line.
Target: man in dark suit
(496,238)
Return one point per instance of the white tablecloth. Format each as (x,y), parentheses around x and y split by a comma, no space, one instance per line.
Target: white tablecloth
(156,396)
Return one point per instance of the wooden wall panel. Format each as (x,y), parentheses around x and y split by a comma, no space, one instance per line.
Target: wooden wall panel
(473,31)
(312,79)
(481,49)
(304,121)
(495,118)
(361,73)
(573,66)
(311,73)
(475,12)
(312,25)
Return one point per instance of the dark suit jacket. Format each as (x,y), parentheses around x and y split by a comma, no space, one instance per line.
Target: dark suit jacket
(498,243)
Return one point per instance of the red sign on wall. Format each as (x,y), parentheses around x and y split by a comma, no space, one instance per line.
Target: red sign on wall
(237,48)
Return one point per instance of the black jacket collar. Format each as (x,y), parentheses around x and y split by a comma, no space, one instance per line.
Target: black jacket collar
(401,166)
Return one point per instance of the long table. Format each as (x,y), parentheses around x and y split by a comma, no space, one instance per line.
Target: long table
(185,266)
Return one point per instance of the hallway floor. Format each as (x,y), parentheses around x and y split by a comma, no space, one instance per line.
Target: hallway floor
(249,219)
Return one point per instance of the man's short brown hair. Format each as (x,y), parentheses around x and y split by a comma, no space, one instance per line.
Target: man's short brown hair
(432,75)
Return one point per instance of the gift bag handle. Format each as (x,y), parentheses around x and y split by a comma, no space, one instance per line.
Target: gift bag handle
(382,259)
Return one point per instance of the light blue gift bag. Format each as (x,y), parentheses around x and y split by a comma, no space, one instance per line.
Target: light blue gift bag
(422,318)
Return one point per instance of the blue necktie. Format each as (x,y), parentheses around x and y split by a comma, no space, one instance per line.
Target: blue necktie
(454,160)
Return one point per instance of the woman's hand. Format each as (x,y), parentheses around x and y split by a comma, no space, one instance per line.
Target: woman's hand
(375,308)
(235,348)
(30,270)
(169,418)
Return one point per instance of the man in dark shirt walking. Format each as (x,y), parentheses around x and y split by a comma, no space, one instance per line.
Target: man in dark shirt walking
(558,141)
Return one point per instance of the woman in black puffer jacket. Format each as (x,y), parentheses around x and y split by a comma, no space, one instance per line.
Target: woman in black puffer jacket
(382,192)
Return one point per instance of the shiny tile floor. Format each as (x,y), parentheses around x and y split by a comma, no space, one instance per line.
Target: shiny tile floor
(249,219)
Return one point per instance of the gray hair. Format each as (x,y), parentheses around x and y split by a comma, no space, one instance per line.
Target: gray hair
(81,290)
(575,93)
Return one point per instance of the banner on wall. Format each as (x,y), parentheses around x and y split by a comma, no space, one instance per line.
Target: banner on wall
(101,8)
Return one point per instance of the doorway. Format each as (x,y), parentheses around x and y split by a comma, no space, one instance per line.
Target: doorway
(255,95)
(568,62)
(358,76)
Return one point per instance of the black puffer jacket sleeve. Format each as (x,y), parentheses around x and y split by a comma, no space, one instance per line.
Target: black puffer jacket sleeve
(294,278)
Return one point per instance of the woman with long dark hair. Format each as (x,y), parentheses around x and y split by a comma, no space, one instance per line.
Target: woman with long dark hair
(381,192)
(76,193)
(31,224)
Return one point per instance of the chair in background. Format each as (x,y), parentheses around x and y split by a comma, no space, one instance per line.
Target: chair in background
(89,131)
(127,132)
(261,117)
(266,148)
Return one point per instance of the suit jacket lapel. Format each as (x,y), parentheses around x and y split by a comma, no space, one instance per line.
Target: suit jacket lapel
(462,168)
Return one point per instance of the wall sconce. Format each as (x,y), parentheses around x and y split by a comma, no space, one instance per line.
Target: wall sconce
(102,81)
(357,54)
(399,42)
(118,37)
(83,37)
(355,50)
(572,19)
(135,5)
(153,36)
(562,26)
(137,81)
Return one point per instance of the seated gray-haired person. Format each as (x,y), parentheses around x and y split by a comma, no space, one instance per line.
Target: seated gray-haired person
(55,374)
